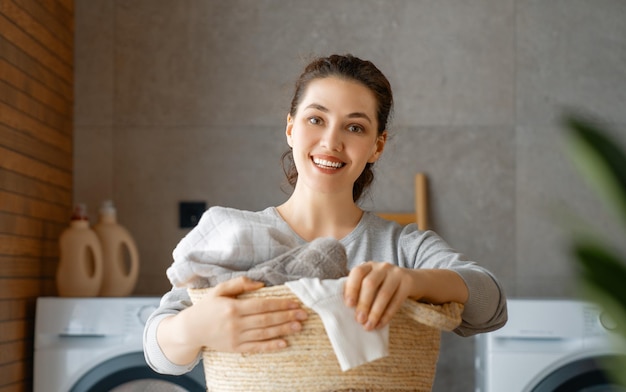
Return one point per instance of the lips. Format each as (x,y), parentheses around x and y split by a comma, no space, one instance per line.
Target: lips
(328,163)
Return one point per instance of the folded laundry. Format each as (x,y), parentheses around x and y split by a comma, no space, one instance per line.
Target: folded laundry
(322,257)
(231,245)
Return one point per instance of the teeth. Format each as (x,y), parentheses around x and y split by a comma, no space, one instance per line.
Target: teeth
(323,162)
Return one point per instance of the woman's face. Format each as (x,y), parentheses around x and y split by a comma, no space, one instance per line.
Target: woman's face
(334,134)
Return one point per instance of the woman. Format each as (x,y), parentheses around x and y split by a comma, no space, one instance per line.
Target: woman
(336,130)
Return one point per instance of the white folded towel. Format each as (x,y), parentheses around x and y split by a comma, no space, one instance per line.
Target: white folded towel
(352,344)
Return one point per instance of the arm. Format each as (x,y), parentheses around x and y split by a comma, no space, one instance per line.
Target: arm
(251,325)
(428,269)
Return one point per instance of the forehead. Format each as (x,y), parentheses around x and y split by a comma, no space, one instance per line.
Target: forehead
(339,94)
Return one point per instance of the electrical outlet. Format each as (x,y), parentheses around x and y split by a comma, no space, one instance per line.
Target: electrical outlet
(190,212)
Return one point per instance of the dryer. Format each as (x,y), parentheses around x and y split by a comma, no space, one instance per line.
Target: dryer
(96,344)
(548,346)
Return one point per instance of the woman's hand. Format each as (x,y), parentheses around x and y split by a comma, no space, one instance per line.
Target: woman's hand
(377,290)
(222,322)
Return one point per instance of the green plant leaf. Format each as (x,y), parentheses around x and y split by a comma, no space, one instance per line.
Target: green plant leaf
(602,163)
(600,160)
(615,367)
(603,277)
(604,274)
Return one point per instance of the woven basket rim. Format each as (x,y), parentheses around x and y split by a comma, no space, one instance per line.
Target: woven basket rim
(445,317)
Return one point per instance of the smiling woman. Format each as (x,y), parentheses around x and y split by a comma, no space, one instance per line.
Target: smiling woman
(336,129)
(373,104)
(334,136)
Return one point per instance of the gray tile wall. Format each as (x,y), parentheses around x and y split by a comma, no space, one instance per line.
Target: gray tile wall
(187,100)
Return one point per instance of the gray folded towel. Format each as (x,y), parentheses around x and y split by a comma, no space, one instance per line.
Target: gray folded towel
(323,258)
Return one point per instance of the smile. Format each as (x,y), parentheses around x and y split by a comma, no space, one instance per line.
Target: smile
(326,164)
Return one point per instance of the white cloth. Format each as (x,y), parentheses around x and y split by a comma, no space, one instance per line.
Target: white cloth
(352,344)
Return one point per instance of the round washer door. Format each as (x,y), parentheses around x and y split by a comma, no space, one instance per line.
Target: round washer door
(583,375)
(130,373)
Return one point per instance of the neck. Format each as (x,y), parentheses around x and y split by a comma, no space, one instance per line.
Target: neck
(314,215)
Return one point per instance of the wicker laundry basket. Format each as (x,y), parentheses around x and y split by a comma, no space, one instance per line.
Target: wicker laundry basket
(309,362)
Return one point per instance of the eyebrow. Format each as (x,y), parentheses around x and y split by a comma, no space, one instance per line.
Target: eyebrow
(351,115)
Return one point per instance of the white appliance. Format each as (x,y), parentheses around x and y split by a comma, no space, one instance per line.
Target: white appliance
(95,345)
(548,346)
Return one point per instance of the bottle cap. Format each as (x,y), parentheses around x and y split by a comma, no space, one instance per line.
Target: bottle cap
(107,208)
(80,212)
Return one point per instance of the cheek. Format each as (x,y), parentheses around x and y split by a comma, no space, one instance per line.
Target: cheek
(369,149)
(301,139)
(298,146)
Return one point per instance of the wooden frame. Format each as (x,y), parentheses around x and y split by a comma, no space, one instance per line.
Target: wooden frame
(420,216)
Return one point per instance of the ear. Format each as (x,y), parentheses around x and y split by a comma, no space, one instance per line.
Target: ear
(289,129)
(379,146)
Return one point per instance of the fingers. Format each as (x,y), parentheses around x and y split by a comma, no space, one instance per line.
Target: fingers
(246,325)
(383,309)
(372,299)
(352,288)
(261,336)
(271,316)
(237,286)
(263,321)
(262,346)
(375,290)
(264,331)
(241,330)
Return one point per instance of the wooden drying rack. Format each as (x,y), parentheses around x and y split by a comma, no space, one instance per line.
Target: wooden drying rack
(420,216)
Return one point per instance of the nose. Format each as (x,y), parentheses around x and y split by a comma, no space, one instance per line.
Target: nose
(332,139)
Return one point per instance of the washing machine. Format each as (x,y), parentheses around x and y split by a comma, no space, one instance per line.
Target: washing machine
(96,345)
(549,346)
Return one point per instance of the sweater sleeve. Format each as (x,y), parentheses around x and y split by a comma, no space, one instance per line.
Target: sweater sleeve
(171,304)
(485,309)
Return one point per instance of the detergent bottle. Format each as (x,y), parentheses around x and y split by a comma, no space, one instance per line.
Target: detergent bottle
(120,255)
(79,273)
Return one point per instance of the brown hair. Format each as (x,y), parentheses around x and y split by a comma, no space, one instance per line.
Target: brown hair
(352,68)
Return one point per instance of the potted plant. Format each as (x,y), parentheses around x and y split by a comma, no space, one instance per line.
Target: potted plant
(602,268)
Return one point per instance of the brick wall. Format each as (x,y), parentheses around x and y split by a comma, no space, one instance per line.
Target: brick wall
(36,103)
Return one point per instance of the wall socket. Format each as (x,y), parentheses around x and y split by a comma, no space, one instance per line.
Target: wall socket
(189,213)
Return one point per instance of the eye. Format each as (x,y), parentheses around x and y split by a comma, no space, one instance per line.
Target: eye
(314,120)
(355,128)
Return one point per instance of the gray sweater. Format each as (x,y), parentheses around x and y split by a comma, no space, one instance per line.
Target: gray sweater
(374,239)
